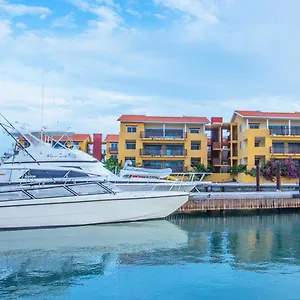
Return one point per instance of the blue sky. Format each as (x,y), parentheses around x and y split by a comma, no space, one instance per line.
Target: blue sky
(102,58)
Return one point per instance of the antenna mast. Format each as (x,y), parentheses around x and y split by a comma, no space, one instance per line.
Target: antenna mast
(42,106)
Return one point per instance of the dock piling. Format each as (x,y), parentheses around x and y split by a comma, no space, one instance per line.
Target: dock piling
(257,178)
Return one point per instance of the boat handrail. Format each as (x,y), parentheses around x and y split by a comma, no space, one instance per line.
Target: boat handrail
(191,175)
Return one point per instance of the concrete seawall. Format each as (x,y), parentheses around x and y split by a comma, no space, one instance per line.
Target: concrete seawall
(222,202)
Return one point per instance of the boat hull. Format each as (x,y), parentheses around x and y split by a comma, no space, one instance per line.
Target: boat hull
(88,210)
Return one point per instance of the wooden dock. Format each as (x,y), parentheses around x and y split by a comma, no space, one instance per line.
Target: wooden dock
(209,202)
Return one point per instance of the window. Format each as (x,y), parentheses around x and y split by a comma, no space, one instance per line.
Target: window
(241,127)
(278,147)
(195,161)
(26,144)
(130,145)
(52,174)
(257,161)
(114,147)
(152,164)
(195,130)
(259,142)
(174,133)
(131,129)
(176,166)
(254,125)
(114,156)
(195,145)
(241,145)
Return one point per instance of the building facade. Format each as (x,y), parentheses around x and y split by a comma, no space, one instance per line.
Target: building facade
(112,146)
(163,142)
(258,136)
(218,146)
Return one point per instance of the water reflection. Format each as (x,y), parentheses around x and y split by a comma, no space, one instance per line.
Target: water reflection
(52,261)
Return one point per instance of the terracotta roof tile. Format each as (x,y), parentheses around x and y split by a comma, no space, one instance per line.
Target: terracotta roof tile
(112,138)
(261,114)
(157,119)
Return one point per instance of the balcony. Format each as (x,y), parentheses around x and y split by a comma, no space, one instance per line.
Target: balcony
(233,137)
(220,162)
(159,153)
(220,146)
(156,135)
(113,150)
(286,150)
(234,153)
(282,130)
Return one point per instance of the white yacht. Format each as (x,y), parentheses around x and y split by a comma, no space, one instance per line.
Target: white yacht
(82,204)
(39,161)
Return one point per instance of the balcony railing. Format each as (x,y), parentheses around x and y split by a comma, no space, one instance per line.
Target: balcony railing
(113,150)
(162,136)
(218,145)
(234,153)
(285,150)
(285,131)
(148,152)
(234,137)
(220,162)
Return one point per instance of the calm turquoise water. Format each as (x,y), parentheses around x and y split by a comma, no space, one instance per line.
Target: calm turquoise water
(253,257)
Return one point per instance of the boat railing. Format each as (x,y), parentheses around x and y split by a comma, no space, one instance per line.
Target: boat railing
(188,176)
(54,191)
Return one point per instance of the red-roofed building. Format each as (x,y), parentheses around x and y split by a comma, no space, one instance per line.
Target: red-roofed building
(160,120)
(258,136)
(111,141)
(162,141)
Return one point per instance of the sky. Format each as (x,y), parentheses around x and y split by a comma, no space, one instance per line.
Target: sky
(98,59)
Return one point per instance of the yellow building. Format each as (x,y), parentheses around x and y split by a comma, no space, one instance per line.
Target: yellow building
(163,142)
(80,141)
(258,136)
(111,141)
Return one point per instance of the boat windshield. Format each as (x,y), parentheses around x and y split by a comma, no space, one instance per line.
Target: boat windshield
(57,191)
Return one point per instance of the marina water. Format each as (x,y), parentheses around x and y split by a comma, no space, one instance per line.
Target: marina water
(239,257)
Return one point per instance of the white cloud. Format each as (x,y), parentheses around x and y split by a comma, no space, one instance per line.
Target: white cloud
(21,9)
(159,16)
(67,21)
(21,25)
(107,17)
(21,98)
(81,4)
(134,13)
(5,29)
(202,10)
(109,3)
